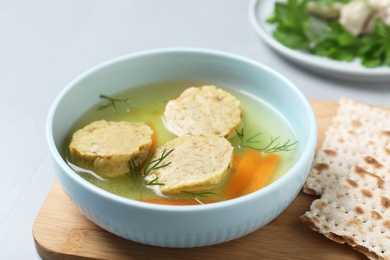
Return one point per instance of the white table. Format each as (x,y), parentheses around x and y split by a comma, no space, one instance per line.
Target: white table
(44,44)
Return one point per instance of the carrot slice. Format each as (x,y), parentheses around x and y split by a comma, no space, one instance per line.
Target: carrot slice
(263,173)
(236,161)
(177,202)
(243,173)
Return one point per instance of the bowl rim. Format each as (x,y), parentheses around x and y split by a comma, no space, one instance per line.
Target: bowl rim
(307,152)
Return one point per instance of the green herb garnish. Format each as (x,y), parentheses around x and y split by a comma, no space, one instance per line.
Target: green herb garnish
(196,195)
(154,182)
(136,171)
(336,43)
(292,27)
(134,168)
(111,102)
(156,163)
(272,147)
(329,2)
(297,29)
(375,47)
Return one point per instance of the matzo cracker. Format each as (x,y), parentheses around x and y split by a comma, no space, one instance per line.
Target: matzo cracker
(355,211)
(351,172)
(359,135)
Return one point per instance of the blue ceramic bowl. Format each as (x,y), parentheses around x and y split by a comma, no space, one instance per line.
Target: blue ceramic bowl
(184,226)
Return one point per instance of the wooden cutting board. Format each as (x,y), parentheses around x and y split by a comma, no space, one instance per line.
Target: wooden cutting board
(61,232)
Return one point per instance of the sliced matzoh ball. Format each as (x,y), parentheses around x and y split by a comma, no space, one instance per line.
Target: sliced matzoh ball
(203,110)
(197,162)
(107,147)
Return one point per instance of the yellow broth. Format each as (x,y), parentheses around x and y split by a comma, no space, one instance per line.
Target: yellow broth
(147,104)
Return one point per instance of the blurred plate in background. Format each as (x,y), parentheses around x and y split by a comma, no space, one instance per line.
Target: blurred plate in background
(261,10)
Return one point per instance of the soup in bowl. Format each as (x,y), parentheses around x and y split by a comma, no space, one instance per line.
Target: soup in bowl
(215,145)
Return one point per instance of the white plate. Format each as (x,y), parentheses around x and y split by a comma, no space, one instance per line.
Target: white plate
(261,10)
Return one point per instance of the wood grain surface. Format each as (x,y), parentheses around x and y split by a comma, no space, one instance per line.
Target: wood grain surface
(61,232)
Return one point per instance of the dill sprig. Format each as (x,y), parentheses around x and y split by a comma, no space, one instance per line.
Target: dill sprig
(136,169)
(195,195)
(156,163)
(154,182)
(111,102)
(272,147)
(138,173)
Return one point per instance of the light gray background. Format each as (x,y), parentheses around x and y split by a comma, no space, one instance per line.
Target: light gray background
(44,44)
